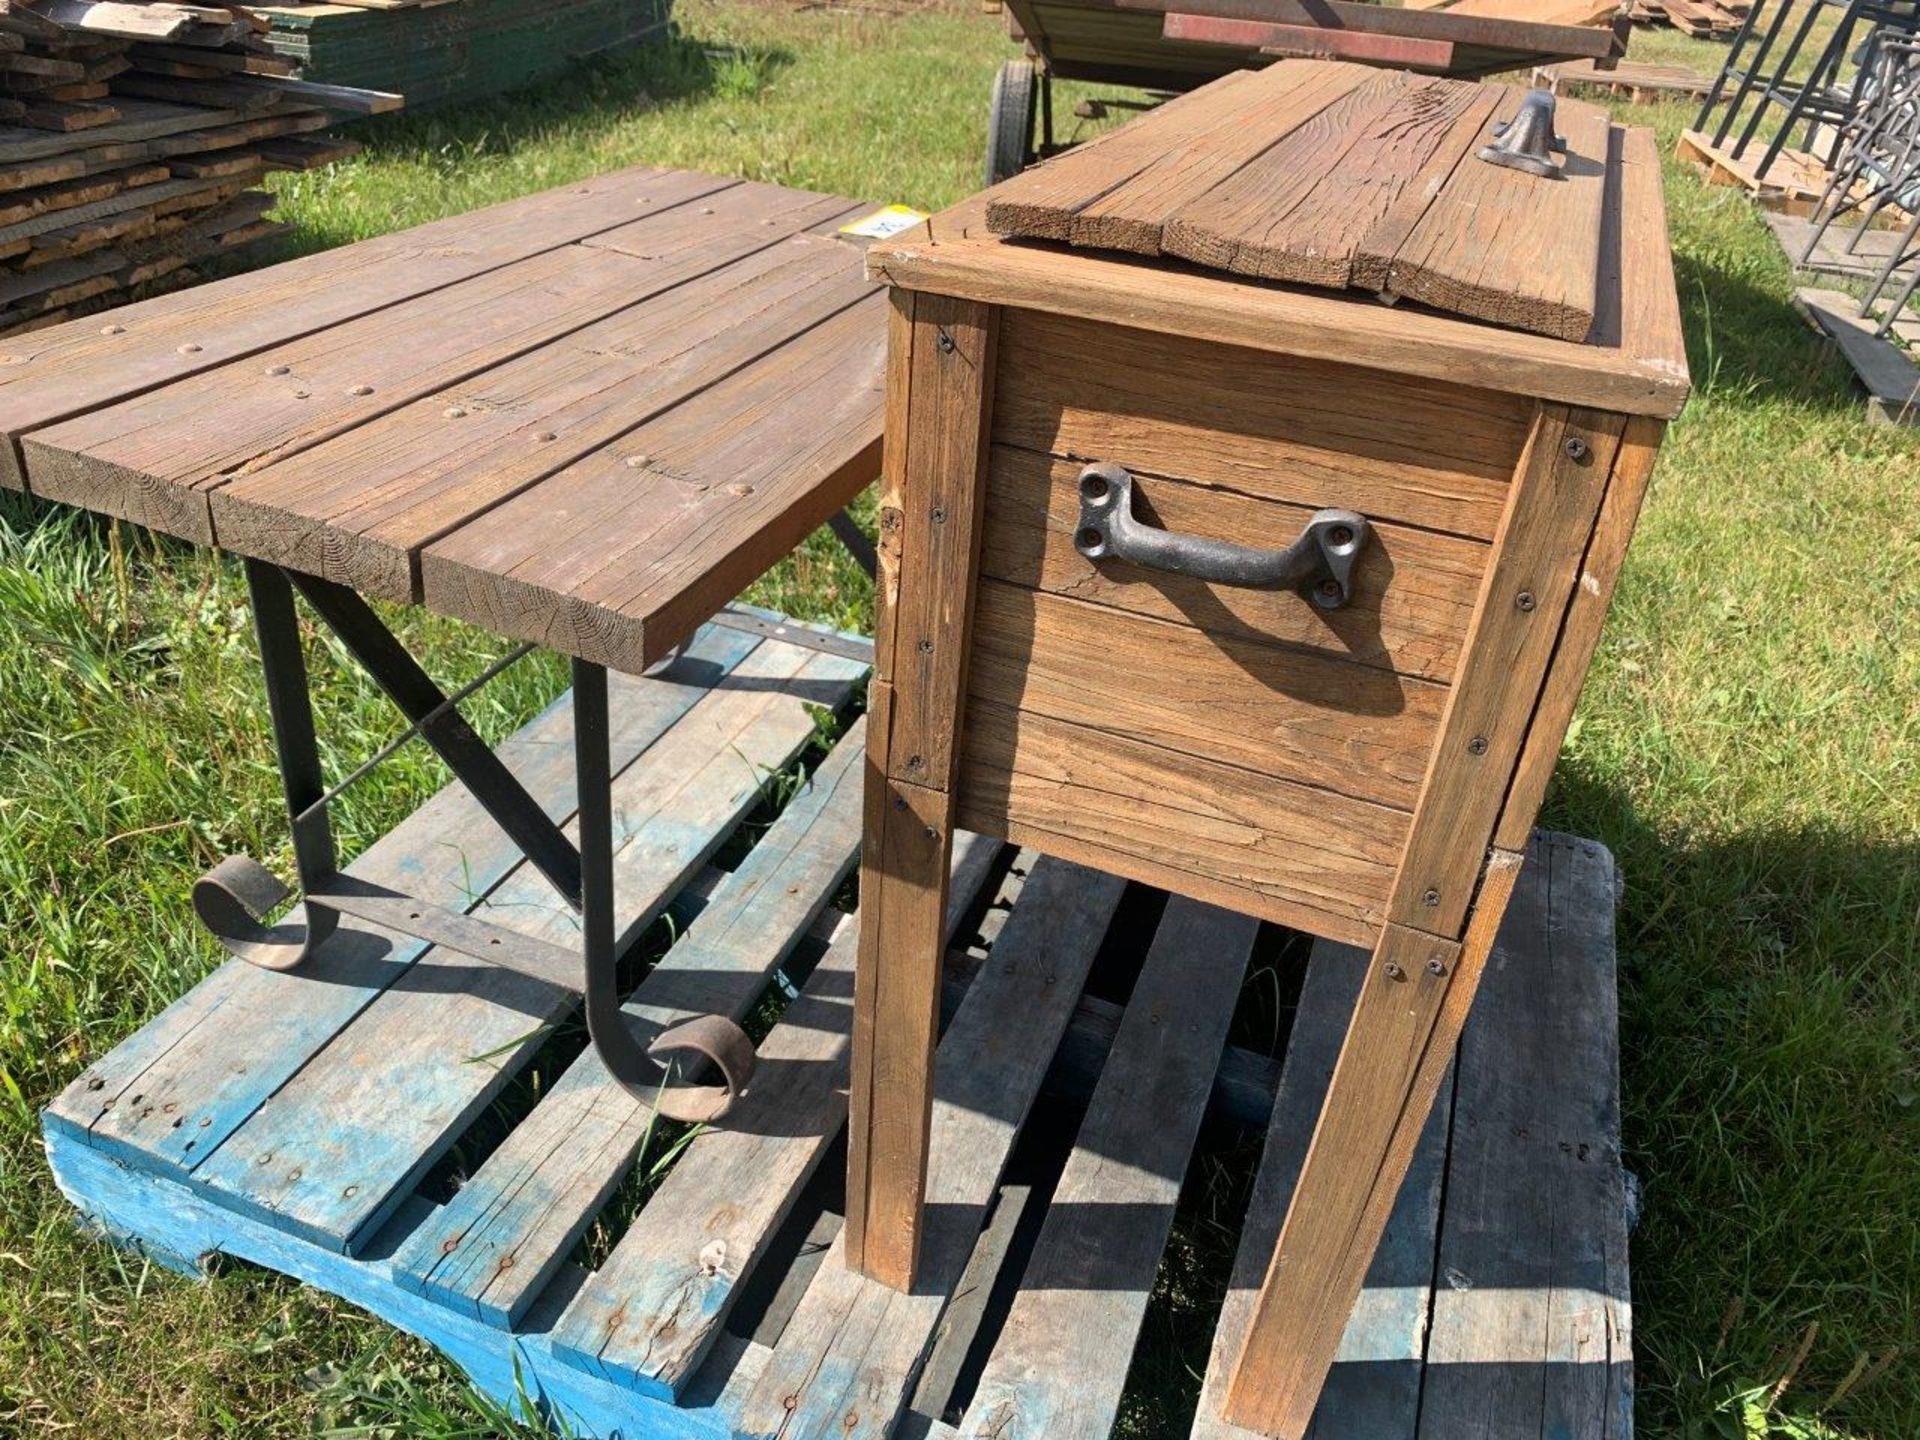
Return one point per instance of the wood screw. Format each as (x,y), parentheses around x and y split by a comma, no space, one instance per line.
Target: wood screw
(1578,450)
(275,370)
(939,514)
(113,330)
(455,412)
(1394,972)
(1436,966)
(360,390)
(1430,899)
(189,349)
(1524,600)
(926,647)
(1477,745)
(946,343)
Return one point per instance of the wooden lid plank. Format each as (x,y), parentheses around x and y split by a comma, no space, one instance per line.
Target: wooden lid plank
(1502,245)
(1132,214)
(1326,173)
(1297,212)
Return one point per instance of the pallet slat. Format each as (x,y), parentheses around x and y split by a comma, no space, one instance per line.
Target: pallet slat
(843,1367)
(182,1067)
(652,1312)
(548,1179)
(1533,1322)
(1084,1292)
(672,808)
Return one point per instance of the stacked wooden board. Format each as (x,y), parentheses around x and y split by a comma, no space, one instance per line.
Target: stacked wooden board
(455,49)
(1703,19)
(133,140)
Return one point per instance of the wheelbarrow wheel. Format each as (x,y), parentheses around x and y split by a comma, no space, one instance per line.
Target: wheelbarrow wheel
(1010,120)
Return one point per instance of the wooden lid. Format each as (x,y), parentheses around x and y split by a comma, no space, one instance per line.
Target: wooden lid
(1206,215)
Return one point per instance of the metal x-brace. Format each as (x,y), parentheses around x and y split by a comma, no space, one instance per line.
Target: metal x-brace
(234,899)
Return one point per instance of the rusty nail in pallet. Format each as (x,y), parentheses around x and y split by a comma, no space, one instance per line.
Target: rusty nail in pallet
(1350,734)
(133,139)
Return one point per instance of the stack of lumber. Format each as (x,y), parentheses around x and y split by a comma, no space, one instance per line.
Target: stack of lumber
(1539,12)
(448,51)
(133,139)
(1704,19)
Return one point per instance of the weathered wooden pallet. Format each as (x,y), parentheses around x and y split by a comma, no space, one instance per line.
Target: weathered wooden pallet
(309,1123)
(1793,183)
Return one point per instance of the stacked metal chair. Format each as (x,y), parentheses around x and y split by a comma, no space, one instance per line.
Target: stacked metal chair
(1768,75)
(1876,170)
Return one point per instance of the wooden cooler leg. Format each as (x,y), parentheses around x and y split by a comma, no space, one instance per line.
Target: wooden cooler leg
(939,380)
(1448,897)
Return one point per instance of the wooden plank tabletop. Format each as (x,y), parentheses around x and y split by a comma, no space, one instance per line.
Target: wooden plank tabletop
(588,417)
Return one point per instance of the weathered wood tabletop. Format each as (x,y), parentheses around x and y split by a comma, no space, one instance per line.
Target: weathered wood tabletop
(586,418)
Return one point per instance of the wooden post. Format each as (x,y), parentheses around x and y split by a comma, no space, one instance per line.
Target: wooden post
(939,369)
(1448,898)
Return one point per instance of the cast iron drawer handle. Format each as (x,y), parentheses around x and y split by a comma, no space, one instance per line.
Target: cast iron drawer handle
(1319,564)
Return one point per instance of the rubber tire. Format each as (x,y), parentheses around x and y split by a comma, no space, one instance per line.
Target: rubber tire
(1010,120)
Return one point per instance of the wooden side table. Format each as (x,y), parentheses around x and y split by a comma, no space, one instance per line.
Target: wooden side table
(1273,597)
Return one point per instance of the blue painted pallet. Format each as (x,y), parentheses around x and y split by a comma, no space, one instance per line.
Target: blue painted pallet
(256,1119)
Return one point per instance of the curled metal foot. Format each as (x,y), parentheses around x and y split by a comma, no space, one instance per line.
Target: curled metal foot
(724,1045)
(233,900)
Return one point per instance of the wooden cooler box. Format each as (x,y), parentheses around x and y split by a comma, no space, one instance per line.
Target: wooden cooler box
(1203,566)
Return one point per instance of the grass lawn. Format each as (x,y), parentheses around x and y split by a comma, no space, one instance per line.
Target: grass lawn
(1749,746)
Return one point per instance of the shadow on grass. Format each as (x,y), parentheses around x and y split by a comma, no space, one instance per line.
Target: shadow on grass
(1743,339)
(1769,1032)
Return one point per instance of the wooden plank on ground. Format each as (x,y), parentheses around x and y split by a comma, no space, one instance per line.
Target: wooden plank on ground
(672,809)
(1890,378)
(845,1365)
(1533,1323)
(615,556)
(181,1066)
(492,1248)
(652,1312)
(79,367)
(1060,1363)
(1373,1390)
(1300,210)
(361,502)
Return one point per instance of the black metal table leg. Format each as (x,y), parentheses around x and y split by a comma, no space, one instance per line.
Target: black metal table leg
(234,898)
(238,893)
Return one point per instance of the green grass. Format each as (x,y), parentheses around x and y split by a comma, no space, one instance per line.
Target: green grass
(1749,745)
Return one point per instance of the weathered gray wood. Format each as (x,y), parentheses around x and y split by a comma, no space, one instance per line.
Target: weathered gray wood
(850,1355)
(1373,1390)
(494,1245)
(1060,1364)
(1890,378)
(1532,1334)
(169,1096)
(328,1156)
(651,1313)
